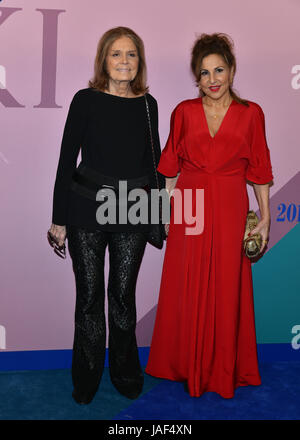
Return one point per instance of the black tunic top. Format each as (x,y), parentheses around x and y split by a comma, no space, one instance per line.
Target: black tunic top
(114,138)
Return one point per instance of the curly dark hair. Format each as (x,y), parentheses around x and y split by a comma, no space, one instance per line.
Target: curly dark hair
(220,44)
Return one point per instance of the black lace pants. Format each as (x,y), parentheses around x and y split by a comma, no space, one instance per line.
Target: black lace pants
(87,250)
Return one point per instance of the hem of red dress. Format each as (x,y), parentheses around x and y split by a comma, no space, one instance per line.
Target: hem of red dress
(224,395)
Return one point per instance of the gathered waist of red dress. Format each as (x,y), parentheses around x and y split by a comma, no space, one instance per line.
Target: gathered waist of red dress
(208,171)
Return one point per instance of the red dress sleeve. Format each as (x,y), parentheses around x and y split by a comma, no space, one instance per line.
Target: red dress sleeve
(169,164)
(259,168)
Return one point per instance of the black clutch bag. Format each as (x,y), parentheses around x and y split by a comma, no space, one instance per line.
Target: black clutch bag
(156,234)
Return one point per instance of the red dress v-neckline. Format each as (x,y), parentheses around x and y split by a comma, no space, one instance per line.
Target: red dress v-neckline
(223,120)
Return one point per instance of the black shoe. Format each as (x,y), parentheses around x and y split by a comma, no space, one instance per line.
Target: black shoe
(130,390)
(185,387)
(82,398)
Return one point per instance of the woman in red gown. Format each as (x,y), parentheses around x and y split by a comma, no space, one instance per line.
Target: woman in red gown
(204,332)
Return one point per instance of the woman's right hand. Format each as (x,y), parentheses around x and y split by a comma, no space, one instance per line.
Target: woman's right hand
(59,233)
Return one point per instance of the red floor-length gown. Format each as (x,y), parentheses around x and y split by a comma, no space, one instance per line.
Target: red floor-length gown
(205,331)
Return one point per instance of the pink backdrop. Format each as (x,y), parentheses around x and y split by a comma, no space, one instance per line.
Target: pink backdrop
(37,288)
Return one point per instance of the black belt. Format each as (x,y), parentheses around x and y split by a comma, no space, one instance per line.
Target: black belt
(87,182)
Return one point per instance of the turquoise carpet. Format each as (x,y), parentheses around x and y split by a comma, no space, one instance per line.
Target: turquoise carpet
(46,395)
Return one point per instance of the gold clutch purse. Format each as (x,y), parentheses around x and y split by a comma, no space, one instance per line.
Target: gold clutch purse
(252,244)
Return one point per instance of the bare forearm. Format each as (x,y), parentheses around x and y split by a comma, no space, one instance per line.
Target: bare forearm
(262,197)
(171,183)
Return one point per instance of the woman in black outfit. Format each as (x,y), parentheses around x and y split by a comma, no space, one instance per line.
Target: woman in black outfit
(108,122)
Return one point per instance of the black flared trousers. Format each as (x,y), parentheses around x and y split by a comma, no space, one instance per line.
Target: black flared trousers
(87,250)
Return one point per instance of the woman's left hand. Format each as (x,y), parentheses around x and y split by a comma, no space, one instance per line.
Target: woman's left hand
(263,228)
(167,225)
